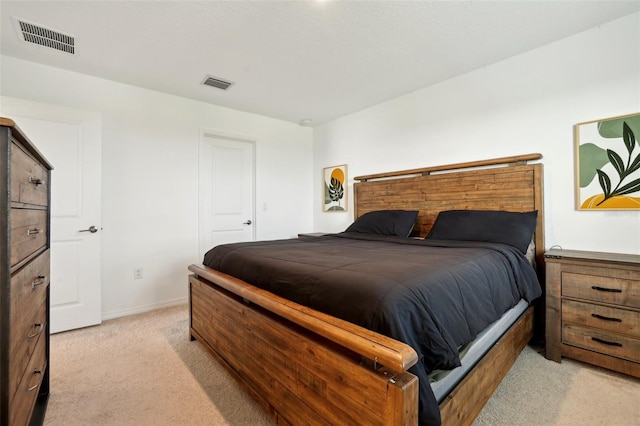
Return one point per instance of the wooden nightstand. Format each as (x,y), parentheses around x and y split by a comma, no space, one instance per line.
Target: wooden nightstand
(593,308)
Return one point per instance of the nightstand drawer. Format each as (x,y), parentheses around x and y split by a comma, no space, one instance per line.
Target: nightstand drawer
(604,342)
(619,321)
(617,291)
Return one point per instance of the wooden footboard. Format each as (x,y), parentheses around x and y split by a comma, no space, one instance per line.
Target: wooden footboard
(308,368)
(302,366)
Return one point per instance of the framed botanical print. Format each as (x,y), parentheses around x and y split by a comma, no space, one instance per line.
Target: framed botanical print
(608,163)
(335,188)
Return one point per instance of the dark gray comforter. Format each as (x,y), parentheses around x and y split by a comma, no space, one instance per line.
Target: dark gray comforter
(433,295)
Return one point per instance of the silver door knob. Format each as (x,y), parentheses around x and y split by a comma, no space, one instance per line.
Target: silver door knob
(91,229)
(247,222)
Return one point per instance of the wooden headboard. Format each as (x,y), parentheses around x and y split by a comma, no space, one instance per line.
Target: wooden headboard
(507,183)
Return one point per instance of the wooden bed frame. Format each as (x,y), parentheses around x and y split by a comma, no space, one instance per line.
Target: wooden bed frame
(305,367)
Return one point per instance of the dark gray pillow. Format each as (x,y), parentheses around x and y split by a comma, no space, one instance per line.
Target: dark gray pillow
(496,226)
(385,222)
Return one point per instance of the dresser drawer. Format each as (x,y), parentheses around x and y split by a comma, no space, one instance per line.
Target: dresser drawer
(23,400)
(26,338)
(28,233)
(28,314)
(608,289)
(29,285)
(619,321)
(29,180)
(601,341)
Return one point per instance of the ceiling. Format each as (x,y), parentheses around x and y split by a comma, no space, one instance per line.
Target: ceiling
(295,60)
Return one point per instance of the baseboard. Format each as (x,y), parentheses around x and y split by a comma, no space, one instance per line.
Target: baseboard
(144,308)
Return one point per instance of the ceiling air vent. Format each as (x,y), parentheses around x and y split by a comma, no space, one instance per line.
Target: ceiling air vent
(216,82)
(47,37)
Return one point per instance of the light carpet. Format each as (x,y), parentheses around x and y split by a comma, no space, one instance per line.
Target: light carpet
(144,370)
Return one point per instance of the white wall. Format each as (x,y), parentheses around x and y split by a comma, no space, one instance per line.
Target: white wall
(525,104)
(150,141)
(150,177)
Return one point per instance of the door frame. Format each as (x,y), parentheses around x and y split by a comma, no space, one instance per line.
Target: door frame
(204,133)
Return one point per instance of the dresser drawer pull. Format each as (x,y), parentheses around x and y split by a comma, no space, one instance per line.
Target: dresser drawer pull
(606,342)
(33,231)
(602,317)
(610,290)
(34,387)
(35,181)
(40,328)
(39,281)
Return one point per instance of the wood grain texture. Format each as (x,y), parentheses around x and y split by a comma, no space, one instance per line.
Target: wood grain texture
(24,282)
(28,232)
(514,188)
(305,367)
(554,311)
(604,317)
(29,179)
(516,159)
(386,351)
(299,375)
(465,402)
(602,360)
(593,309)
(24,399)
(618,287)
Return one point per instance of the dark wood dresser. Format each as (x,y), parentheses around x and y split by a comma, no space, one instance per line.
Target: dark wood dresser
(593,308)
(24,271)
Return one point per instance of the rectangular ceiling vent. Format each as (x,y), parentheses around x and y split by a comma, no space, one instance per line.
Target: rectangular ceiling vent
(217,83)
(47,37)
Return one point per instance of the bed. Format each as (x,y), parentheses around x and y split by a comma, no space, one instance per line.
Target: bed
(306,366)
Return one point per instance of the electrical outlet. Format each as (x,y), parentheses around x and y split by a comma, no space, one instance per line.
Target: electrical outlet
(137,273)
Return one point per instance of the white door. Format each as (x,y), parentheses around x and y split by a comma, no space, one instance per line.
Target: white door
(226,191)
(71,142)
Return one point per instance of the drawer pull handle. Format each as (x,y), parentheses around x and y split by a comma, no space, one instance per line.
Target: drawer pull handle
(39,281)
(40,328)
(34,387)
(36,181)
(33,231)
(606,342)
(610,290)
(602,317)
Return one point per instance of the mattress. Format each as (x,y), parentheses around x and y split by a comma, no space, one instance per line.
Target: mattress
(443,381)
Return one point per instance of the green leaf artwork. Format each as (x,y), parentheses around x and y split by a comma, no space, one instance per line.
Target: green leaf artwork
(613,155)
(592,157)
(334,188)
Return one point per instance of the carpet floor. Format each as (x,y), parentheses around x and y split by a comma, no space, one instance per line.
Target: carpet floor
(144,370)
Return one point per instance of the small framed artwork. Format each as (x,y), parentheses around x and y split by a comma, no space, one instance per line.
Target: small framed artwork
(335,188)
(608,163)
